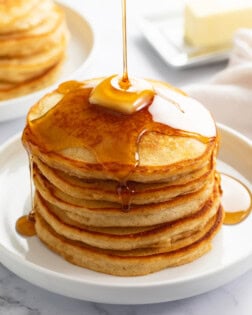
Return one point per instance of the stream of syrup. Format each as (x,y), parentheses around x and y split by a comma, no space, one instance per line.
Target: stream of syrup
(124,82)
(116,113)
(25,225)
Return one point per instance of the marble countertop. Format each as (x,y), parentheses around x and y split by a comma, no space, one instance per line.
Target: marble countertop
(18,297)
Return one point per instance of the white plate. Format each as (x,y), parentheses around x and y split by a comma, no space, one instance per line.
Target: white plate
(164,31)
(230,257)
(79,52)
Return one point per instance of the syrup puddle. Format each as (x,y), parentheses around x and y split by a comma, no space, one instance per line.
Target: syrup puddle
(236,195)
(236,199)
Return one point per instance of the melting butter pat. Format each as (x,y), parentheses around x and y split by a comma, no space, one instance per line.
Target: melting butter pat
(213,22)
(109,94)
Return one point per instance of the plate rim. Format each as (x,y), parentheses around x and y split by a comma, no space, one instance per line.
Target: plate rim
(5,253)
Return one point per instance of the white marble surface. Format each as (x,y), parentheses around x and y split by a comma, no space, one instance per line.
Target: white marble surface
(18,297)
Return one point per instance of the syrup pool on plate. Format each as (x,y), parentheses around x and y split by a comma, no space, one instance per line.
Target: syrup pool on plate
(236,199)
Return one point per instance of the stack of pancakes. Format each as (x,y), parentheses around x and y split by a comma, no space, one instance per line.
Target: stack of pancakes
(174,208)
(33,38)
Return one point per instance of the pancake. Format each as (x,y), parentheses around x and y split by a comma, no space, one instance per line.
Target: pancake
(33,39)
(8,90)
(18,70)
(47,33)
(21,15)
(101,213)
(161,156)
(14,9)
(123,194)
(101,261)
(80,162)
(106,190)
(156,236)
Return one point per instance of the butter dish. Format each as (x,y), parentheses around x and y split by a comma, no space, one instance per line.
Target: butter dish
(164,32)
(214,22)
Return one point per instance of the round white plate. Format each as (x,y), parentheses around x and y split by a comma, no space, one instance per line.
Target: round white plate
(230,257)
(79,52)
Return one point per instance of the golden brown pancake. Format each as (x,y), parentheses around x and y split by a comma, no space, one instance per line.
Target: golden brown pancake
(102,213)
(21,15)
(18,70)
(33,38)
(102,261)
(172,194)
(106,190)
(190,156)
(8,90)
(155,236)
(161,156)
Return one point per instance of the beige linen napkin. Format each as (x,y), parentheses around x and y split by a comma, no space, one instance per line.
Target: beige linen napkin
(229,94)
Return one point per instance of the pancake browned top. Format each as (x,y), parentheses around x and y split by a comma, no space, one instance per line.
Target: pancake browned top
(106,145)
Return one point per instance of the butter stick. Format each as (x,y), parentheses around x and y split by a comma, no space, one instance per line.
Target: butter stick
(213,22)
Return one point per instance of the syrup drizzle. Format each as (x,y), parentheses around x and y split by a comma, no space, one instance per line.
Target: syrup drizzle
(236,200)
(171,100)
(125,192)
(124,82)
(121,93)
(25,225)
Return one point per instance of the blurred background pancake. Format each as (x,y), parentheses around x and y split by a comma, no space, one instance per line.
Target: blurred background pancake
(33,39)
